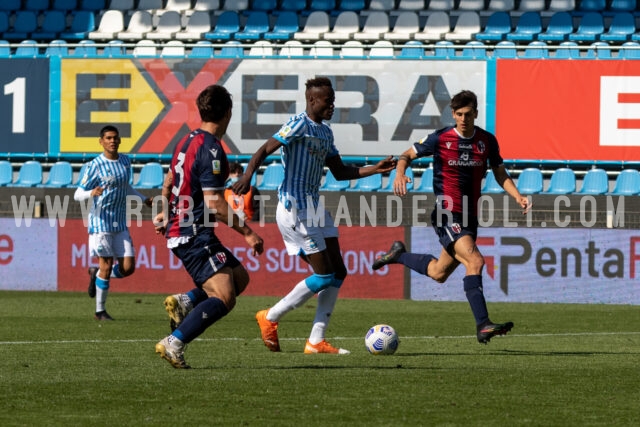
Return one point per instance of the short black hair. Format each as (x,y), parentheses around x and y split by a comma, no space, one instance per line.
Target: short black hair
(318,82)
(108,128)
(213,103)
(236,167)
(463,99)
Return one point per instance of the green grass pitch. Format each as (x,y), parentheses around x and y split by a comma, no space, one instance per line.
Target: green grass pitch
(562,365)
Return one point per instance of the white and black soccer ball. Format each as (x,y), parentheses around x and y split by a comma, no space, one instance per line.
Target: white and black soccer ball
(381,339)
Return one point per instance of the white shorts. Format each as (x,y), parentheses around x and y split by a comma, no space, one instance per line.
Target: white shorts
(111,245)
(301,238)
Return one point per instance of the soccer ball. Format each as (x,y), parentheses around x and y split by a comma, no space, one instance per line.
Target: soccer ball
(381,339)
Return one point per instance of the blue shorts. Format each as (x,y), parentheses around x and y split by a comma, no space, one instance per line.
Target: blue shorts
(203,256)
(449,232)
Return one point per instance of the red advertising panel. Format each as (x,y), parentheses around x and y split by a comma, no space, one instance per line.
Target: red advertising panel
(272,273)
(568,110)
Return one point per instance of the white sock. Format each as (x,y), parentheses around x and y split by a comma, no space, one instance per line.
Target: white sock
(326,302)
(101,295)
(294,299)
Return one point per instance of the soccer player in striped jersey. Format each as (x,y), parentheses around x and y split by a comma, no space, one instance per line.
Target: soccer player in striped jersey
(193,195)
(461,155)
(106,181)
(307,146)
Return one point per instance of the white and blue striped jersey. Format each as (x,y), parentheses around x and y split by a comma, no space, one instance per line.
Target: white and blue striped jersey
(307,145)
(108,213)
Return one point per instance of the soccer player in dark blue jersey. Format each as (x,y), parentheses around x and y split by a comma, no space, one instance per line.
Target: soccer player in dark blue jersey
(194,191)
(461,155)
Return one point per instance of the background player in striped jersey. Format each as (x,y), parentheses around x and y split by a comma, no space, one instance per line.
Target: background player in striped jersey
(307,146)
(194,189)
(106,180)
(461,155)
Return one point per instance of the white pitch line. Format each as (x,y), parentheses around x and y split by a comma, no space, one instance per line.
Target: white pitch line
(426,337)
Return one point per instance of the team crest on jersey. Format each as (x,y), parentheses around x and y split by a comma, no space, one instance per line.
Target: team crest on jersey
(481,147)
(312,244)
(456,228)
(222,257)
(215,164)
(284,131)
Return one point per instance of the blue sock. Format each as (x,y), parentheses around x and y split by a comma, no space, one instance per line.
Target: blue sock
(473,290)
(200,318)
(416,262)
(197,295)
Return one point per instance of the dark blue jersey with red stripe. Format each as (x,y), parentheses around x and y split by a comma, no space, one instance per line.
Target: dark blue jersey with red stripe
(459,164)
(199,163)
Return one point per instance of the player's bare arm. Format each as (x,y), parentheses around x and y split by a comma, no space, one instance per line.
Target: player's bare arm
(505,181)
(217,203)
(343,172)
(160,221)
(401,180)
(243,185)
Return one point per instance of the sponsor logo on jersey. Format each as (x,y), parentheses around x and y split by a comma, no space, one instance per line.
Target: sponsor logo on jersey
(215,164)
(284,131)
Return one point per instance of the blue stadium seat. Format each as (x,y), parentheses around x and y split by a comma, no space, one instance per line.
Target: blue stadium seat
(57,48)
(81,173)
(497,27)
(530,181)
(332,184)
(622,26)
(25,22)
(27,48)
(412,49)
(474,49)
(599,50)
(6,173)
(5,50)
(4,21)
(95,6)
(592,5)
(426,181)
(227,25)
(590,27)
(82,24)
(559,27)
(528,27)
(563,181)
(257,24)
(202,49)
(536,50)
(285,26)
(263,6)
(368,183)
(10,5)
(296,6)
(629,50)
(54,23)
(490,185)
(392,176)
(567,50)
(352,5)
(622,6)
(627,183)
(65,5)
(30,174)
(114,49)
(60,175)
(85,48)
(151,176)
(327,6)
(36,5)
(444,49)
(595,181)
(272,177)
(232,49)
(505,49)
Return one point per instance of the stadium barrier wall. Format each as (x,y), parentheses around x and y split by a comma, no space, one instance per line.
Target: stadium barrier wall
(549,109)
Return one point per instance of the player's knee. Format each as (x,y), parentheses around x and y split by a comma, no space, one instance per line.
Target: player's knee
(475,265)
(318,282)
(340,273)
(440,277)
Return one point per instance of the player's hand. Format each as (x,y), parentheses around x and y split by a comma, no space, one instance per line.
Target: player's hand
(148,201)
(243,185)
(526,203)
(386,165)
(255,242)
(97,191)
(159,223)
(400,185)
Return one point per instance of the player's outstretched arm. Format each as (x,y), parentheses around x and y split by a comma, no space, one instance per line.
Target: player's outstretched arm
(243,185)
(401,180)
(343,172)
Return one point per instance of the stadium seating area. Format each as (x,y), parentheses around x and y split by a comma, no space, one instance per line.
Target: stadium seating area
(529,180)
(56,27)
